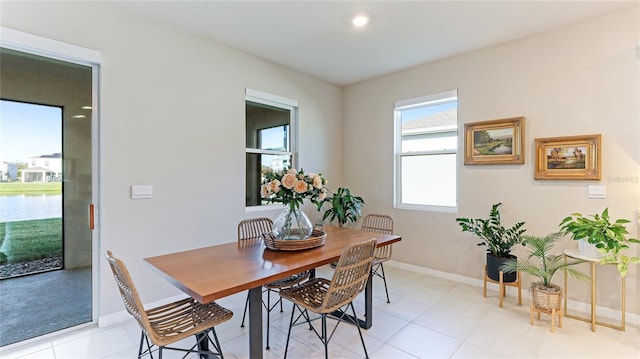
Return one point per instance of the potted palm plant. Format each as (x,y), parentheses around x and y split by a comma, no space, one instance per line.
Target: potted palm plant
(498,240)
(609,238)
(344,207)
(545,296)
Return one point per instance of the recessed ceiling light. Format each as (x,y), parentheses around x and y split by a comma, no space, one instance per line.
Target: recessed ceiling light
(360,20)
(87,107)
(78,116)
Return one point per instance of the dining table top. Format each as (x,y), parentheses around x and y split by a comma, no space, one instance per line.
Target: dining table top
(214,272)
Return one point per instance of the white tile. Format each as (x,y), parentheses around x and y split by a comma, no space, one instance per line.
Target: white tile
(26,350)
(424,343)
(42,354)
(386,351)
(385,325)
(405,308)
(470,351)
(96,345)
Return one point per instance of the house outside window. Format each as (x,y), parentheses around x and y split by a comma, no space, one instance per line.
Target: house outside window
(271,137)
(426,146)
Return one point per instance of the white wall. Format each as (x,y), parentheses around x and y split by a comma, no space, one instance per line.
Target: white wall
(576,80)
(173,98)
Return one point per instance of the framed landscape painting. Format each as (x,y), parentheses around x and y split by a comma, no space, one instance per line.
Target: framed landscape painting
(568,158)
(494,142)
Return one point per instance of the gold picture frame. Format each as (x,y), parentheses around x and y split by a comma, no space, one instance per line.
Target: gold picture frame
(495,142)
(568,158)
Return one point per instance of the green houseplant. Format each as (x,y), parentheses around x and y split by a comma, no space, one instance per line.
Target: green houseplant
(610,238)
(546,265)
(498,239)
(545,296)
(344,207)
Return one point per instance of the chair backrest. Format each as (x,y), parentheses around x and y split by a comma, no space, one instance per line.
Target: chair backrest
(350,276)
(253,228)
(379,223)
(128,291)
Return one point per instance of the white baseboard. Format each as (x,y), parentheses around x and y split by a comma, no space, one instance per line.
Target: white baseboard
(572,305)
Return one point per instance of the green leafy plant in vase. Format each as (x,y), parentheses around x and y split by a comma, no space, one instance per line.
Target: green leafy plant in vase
(610,238)
(344,207)
(540,263)
(498,240)
(546,264)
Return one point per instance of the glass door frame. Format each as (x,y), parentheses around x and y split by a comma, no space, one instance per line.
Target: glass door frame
(37,45)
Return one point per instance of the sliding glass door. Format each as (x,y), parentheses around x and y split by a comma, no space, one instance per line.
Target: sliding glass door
(45,195)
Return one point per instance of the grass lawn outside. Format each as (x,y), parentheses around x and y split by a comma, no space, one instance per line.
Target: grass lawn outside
(30,188)
(30,240)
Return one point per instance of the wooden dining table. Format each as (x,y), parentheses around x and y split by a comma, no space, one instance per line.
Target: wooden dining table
(210,273)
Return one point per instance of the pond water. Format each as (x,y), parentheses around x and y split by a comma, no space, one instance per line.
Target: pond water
(502,150)
(22,207)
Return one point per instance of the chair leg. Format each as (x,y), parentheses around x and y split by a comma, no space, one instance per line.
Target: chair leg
(216,343)
(140,347)
(384,278)
(143,339)
(286,347)
(325,341)
(246,306)
(268,316)
(353,311)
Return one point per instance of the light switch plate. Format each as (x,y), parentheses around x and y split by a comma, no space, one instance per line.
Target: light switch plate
(141,191)
(597,191)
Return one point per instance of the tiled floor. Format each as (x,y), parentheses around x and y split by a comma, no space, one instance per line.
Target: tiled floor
(428,318)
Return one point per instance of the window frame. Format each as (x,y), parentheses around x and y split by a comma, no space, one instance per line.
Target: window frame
(423,101)
(283,103)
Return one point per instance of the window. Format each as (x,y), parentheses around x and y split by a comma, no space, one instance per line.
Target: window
(270,138)
(426,142)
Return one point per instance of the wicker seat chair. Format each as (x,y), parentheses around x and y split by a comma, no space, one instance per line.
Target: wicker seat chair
(333,297)
(167,324)
(251,230)
(383,224)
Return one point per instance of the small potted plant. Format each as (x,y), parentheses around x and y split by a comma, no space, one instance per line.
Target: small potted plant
(345,207)
(545,296)
(609,238)
(498,240)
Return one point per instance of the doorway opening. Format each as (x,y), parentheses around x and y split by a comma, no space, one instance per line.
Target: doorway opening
(60,172)
(30,189)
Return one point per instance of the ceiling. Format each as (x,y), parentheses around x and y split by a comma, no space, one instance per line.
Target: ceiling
(317,38)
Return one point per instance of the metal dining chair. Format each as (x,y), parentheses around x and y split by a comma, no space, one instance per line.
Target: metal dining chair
(333,297)
(170,323)
(380,223)
(252,230)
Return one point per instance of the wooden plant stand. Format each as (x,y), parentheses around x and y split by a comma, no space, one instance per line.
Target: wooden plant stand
(503,285)
(543,301)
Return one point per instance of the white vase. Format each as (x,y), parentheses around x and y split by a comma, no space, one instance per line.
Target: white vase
(587,248)
(292,224)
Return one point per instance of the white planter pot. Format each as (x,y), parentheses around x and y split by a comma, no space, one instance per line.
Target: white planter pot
(587,248)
